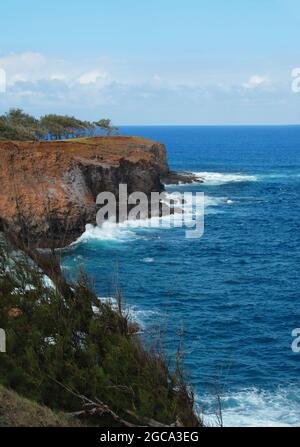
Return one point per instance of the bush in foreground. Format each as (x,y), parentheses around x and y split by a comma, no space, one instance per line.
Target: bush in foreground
(61,346)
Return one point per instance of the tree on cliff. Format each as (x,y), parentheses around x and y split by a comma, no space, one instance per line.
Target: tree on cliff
(17,125)
(106,126)
(7,132)
(63,126)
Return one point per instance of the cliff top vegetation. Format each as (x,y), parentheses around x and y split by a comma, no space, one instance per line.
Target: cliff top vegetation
(19,126)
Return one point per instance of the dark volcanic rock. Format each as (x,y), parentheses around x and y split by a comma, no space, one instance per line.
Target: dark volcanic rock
(177,178)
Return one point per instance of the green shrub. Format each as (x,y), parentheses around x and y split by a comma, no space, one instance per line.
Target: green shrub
(56,341)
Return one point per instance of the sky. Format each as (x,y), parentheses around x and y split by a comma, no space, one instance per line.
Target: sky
(161,62)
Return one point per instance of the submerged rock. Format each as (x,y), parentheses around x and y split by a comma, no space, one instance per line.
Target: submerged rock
(180,178)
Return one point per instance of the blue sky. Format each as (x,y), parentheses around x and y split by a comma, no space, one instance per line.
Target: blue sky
(159,62)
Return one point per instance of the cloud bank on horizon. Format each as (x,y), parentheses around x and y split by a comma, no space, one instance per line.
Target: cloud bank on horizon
(198,65)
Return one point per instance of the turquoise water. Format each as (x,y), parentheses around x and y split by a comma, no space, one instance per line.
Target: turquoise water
(235,291)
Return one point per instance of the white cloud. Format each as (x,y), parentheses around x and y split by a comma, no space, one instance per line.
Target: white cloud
(33,67)
(28,67)
(57,77)
(119,90)
(255,81)
(91,77)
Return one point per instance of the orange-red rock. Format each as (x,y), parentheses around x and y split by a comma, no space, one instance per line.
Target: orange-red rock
(48,189)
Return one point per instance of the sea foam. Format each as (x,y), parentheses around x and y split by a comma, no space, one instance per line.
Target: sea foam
(256,408)
(108,232)
(135,313)
(218,178)
(125,231)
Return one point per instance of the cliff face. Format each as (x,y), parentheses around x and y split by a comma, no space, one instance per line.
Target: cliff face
(48,189)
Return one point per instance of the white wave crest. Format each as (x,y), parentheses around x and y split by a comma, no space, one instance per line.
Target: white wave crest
(108,232)
(136,314)
(218,178)
(259,408)
(142,316)
(125,231)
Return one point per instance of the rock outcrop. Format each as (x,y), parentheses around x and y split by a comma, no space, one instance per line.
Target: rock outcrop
(49,189)
(180,178)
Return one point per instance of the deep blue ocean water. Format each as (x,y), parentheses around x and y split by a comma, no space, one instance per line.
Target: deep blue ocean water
(235,291)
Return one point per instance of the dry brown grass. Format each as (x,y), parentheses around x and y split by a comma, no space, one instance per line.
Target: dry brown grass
(16,411)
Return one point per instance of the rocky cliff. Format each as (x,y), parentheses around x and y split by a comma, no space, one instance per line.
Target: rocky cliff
(48,189)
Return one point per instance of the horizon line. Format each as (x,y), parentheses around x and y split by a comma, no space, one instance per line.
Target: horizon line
(208,125)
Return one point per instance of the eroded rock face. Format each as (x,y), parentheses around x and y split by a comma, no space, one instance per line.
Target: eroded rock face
(49,189)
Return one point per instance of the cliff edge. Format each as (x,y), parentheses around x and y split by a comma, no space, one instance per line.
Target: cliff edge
(49,189)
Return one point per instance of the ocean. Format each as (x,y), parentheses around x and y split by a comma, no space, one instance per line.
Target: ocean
(235,292)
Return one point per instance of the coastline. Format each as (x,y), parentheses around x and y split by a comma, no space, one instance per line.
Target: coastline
(49,189)
(37,220)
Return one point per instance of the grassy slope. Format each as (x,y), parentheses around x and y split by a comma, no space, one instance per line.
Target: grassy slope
(16,411)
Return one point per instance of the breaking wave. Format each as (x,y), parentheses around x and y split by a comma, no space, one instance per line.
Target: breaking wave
(258,408)
(108,232)
(136,314)
(126,231)
(218,178)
